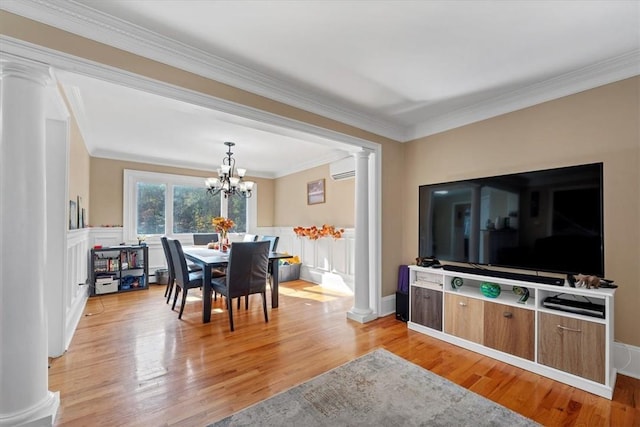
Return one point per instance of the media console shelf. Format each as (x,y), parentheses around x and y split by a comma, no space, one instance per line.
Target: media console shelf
(553,341)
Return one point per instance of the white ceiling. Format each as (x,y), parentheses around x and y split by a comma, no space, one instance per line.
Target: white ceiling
(402,69)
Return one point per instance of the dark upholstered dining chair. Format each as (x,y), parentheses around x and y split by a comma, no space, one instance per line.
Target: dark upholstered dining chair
(273,242)
(205,238)
(246,274)
(184,280)
(172,273)
(250,238)
(273,246)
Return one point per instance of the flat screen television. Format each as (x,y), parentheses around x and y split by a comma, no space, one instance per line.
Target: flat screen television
(546,220)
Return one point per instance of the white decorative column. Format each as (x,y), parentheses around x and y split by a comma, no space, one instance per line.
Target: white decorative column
(24,395)
(361,310)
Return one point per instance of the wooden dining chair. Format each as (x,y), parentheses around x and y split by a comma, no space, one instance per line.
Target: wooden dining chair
(246,275)
(184,280)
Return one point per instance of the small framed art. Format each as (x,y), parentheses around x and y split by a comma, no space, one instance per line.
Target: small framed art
(73,215)
(315,192)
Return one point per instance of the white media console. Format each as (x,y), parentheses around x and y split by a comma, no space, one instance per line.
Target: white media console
(571,347)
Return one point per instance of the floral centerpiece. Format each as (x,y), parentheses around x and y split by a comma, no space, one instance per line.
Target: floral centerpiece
(222,226)
(314,233)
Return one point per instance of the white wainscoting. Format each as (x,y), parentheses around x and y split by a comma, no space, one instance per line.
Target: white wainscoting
(328,262)
(66,306)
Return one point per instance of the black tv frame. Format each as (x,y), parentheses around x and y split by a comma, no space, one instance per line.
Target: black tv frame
(537,186)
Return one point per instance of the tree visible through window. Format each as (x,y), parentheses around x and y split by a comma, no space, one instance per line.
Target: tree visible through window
(193,209)
(151,201)
(158,204)
(237,211)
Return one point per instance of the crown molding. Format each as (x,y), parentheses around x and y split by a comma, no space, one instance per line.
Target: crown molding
(605,72)
(260,118)
(86,22)
(206,167)
(92,24)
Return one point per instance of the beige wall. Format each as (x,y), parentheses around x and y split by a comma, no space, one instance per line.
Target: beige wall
(79,168)
(599,125)
(291,207)
(107,179)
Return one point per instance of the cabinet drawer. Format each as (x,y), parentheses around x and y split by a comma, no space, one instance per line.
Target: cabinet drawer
(426,307)
(572,345)
(464,317)
(509,329)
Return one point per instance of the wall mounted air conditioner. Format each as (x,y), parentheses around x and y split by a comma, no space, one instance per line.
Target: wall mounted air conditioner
(343,168)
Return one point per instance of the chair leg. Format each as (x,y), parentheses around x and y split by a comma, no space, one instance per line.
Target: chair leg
(264,306)
(230,310)
(175,297)
(169,290)
(166,290)
(246,302)
(184,301)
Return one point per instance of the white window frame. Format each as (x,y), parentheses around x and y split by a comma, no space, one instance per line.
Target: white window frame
(129,203)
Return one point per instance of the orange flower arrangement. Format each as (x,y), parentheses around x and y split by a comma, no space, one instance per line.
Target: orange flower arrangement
(222,224)
(314,233)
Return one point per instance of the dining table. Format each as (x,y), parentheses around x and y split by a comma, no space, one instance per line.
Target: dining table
(214,258)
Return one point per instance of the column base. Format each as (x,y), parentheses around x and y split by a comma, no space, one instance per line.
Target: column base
(362,317)
(44,414)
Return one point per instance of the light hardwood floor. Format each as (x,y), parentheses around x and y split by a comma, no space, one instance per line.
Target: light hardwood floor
(133,363)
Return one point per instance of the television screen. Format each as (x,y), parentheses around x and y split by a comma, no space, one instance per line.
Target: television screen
(547,220)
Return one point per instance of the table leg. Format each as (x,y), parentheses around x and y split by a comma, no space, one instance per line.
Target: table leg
(206,293)
(274,283)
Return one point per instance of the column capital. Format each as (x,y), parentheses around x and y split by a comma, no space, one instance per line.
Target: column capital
(15,66)
(364,153)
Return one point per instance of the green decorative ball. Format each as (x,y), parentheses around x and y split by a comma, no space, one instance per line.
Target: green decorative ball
(490,290)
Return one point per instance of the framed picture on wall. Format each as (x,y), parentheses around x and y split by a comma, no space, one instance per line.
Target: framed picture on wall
(73,215)
(315,192)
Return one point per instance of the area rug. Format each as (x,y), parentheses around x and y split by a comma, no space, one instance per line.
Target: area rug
(377,389)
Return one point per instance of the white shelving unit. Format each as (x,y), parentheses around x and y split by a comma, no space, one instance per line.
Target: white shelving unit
(569,347)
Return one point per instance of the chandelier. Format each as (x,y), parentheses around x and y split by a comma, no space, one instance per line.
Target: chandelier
(230,180)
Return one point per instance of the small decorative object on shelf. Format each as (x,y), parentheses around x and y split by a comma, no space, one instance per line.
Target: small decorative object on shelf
(490,290)
(457,282)
(141,239)
(523,292)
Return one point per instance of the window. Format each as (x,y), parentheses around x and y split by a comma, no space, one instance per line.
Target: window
(193,209)
(150,208)
(156,204)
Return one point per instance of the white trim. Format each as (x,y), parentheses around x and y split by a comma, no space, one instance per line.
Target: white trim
(253,118)
(86,22)
(132,177)
(626,359)
(605,72)
(68,62)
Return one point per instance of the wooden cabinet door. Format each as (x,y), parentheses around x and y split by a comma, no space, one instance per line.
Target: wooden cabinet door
(426,307)
(509,329)
(464,317)
(572,345)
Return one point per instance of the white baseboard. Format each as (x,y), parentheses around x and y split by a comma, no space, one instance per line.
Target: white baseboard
(388,305)
(626,357)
